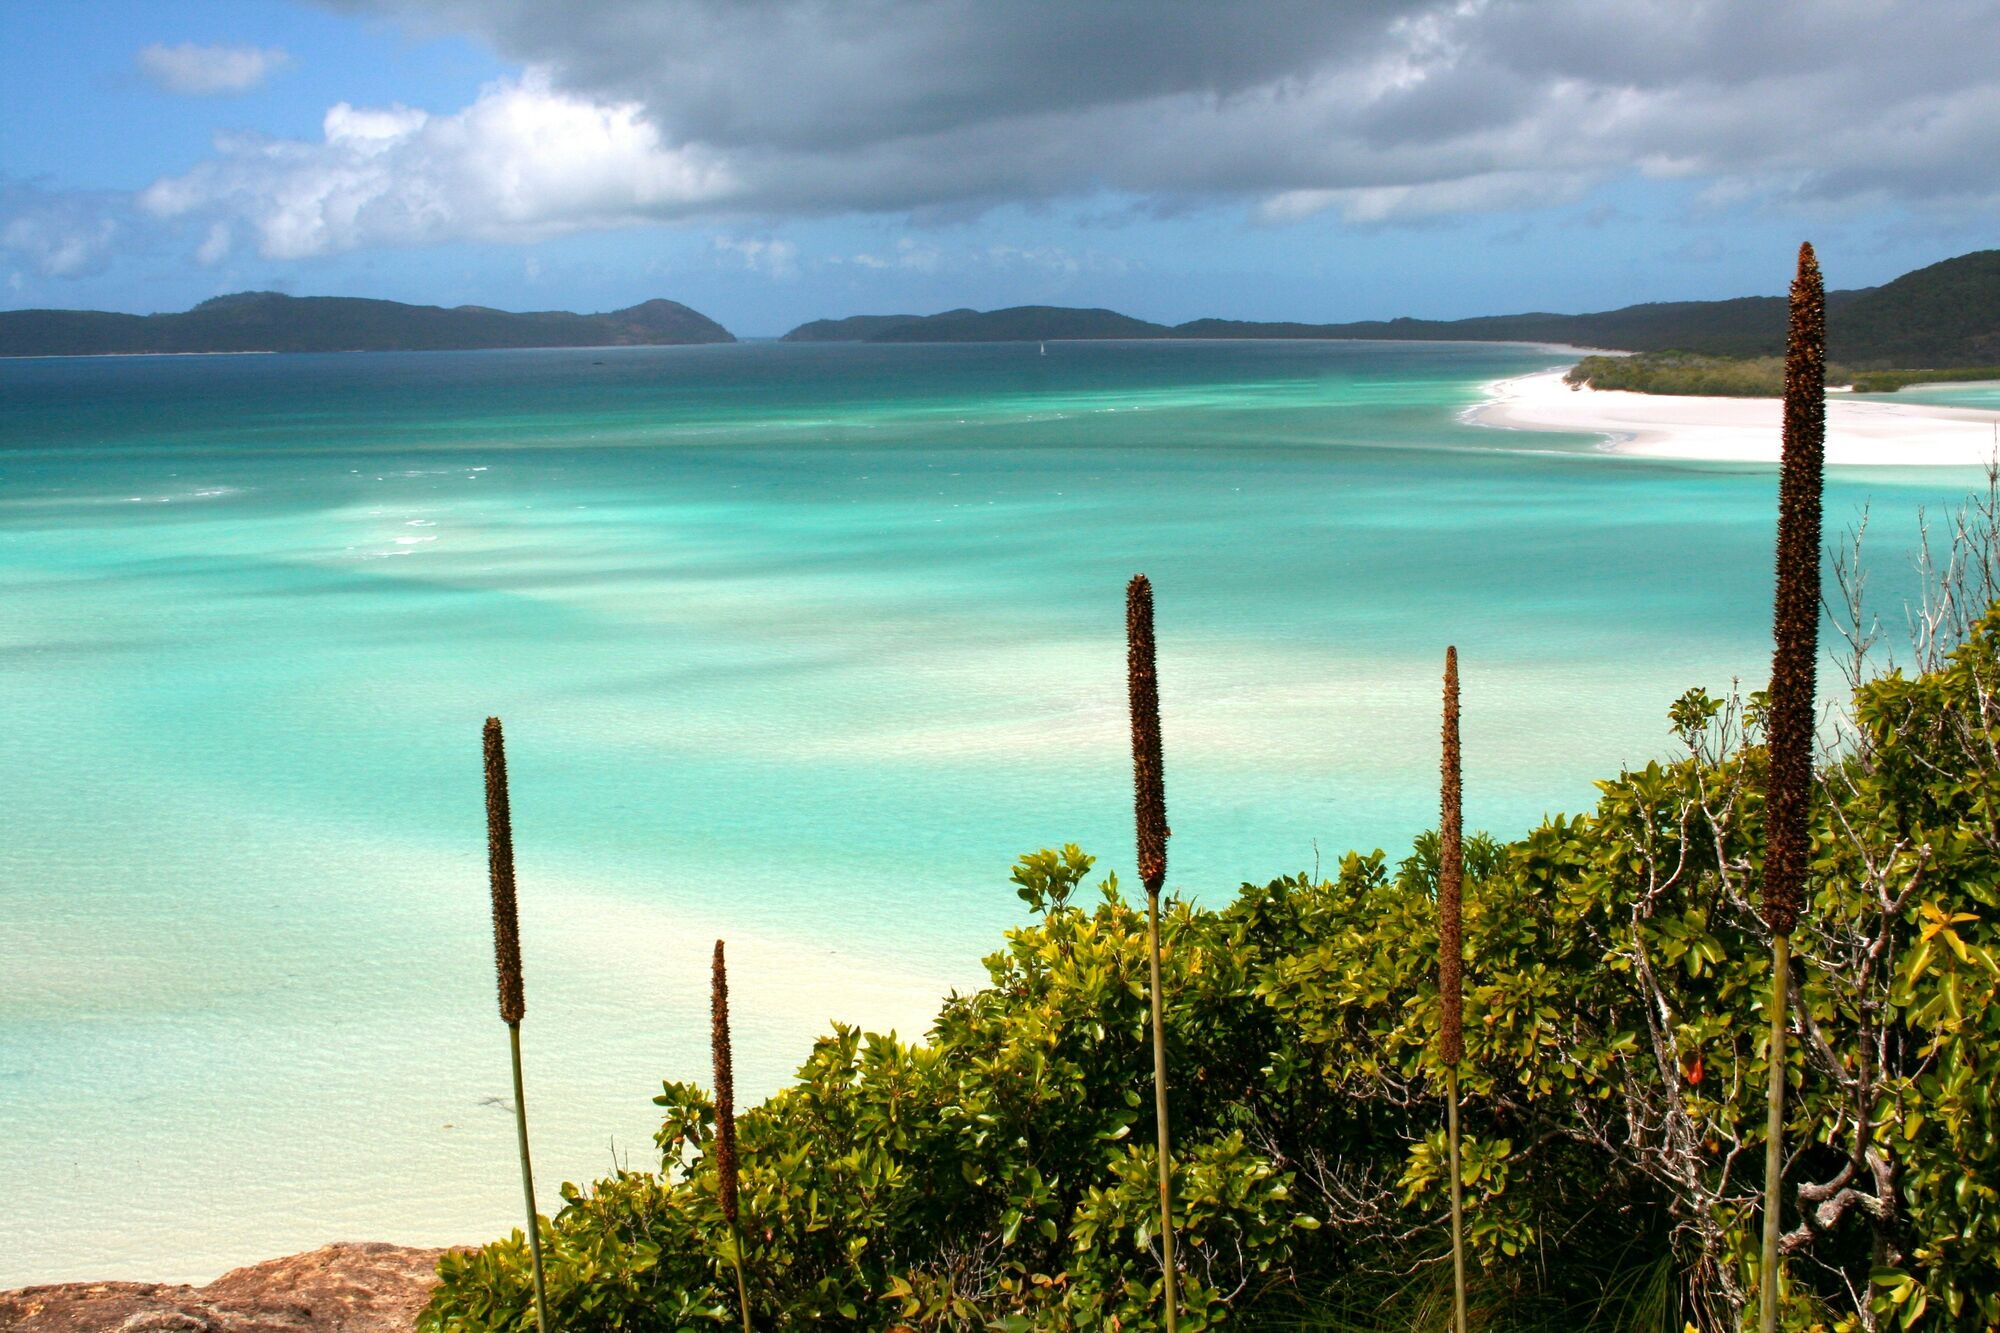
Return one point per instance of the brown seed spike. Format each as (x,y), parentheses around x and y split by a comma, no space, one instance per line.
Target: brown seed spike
(1451,872)
(500,867)
(1149,794)
(1789,721)
(725,1090)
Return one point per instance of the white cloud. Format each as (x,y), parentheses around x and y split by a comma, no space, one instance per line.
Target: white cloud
(523,162)
(216,246)
(909,254)
(773,258)
(1053,259)
(1496,191)
(210,71)
(60,239)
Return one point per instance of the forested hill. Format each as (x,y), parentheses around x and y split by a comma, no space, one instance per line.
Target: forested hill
(1741,327)
(1023,323)
(271,322)
(1945,315)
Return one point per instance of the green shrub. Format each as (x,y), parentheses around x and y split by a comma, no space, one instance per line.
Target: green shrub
(998,1173)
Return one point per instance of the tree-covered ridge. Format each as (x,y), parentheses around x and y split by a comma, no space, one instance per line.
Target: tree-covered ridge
(1947,314)
(1717,326)
(999,1173)
(863,328)
(1026,323)
(273,322)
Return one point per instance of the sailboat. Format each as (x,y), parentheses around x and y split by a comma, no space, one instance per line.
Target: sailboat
(1045,349)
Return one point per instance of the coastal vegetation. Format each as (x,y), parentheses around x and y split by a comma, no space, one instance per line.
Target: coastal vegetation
(1745,377)
(1685,373)
(1616,1059)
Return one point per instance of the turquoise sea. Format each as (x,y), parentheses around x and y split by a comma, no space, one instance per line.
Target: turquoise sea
(796,645)
(1984,395)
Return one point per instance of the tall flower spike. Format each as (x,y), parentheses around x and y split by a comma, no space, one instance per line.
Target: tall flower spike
(1789,723)
(1789,719)
(725,1127)
(725,1089)
(500,868)
(1149,796)
(1451,968)
(1149,804)
(507,963)
(1451,871)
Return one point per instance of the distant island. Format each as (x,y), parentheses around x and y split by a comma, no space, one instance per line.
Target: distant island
(273,322)
(1942,321)
(1021,323)
(1938,322)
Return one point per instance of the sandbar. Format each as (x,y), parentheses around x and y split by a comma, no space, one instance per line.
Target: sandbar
(1859,432)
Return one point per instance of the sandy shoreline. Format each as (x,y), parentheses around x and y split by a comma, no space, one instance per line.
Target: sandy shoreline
(1739,430)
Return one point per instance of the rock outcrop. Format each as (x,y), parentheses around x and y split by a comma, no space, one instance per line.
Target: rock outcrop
(342,1288)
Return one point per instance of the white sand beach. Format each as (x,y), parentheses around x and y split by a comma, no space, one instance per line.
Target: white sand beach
(1740,430)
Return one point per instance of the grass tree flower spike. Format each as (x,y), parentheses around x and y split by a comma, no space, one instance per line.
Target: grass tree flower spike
(726,1180)
(1149,803)
(1789,726)
(1451,964)
(1789,719)
(1451,875)
(507,965)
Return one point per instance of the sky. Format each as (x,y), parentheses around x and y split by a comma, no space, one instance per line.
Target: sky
(773,161)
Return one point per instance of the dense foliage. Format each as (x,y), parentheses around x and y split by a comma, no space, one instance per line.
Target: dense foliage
(1686,372)
(1744,377)
(998,1174)
(1888,381)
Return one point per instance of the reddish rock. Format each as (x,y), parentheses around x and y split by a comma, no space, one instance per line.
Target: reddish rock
(344,1288)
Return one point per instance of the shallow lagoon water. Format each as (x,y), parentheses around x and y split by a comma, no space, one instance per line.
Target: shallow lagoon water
(798,645)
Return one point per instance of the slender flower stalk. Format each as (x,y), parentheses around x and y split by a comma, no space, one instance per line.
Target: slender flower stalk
(725,1125)
(1451,965)
(507,964)
(1789,720)
(1149,803)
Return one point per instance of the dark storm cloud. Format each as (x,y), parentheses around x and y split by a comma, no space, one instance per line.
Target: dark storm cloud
(822,75)
(890,103)
(638,110)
